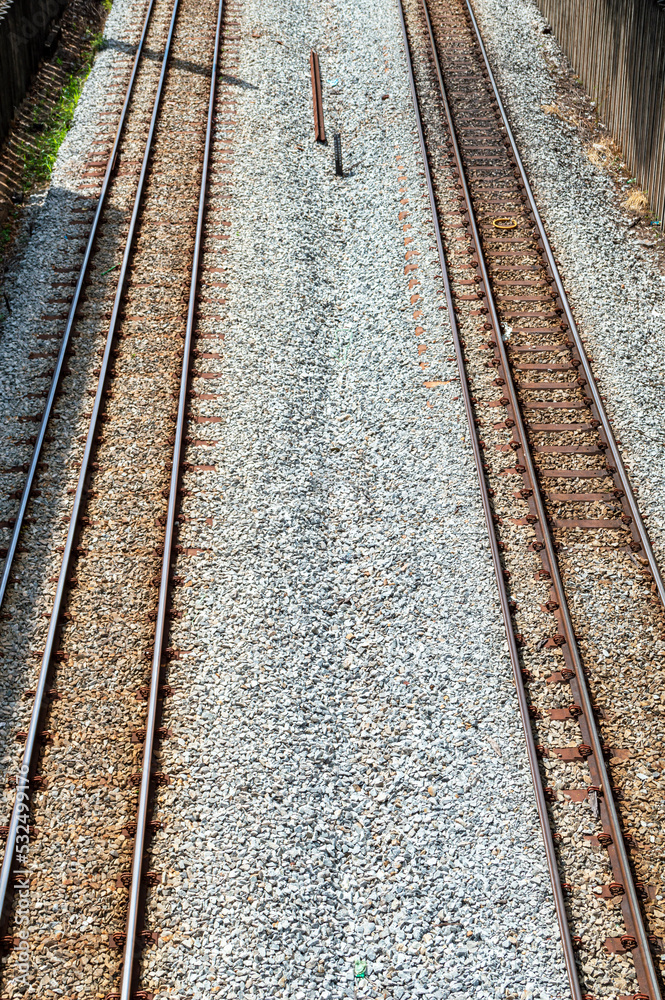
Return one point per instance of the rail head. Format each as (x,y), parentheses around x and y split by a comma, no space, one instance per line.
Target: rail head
(644,956)
(31,745)
(71,316)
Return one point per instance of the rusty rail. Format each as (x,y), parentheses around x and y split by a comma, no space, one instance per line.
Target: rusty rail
(647,973)
(640,531)
(539,790)
(31,750)
(64,344)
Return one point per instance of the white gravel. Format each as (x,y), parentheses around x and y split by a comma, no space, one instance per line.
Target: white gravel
(349,779)
(615,284)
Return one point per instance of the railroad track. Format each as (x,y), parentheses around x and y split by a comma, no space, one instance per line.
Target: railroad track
(580,588)
(80,812)
(90,744)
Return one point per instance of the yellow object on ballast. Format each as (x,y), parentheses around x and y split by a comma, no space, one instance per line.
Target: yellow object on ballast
(504,223)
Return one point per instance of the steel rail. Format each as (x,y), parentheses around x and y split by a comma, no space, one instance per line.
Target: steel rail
(133,912)
(31,743)
(597,401)
(556,581)
(25,497)
(532,754)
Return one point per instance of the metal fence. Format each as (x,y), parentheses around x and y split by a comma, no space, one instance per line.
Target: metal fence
(617,48)
(24,26)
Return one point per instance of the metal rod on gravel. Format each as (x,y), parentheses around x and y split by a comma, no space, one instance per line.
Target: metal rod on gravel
(338,154)
(25,497)
(160,630)
(31,741)
(317,99)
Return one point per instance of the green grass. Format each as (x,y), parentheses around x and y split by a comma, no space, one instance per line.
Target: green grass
(40,156)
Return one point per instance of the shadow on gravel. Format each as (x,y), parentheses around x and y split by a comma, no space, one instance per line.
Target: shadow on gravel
(31,336)
(191,67)
(235,81)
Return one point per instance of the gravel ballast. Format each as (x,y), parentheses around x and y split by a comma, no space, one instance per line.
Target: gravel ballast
(350,809)
(616,283)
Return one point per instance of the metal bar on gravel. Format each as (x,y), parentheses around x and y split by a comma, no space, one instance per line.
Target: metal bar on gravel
(133,912)
(317,99)
(31,742)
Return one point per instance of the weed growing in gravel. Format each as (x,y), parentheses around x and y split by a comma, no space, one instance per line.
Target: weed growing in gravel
(637,201)
(343,345)
(605,154)
(40,155)
(554,109)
